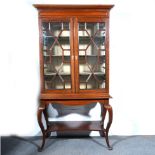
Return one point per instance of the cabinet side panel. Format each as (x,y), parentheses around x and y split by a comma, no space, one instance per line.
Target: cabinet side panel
(107,55)
(41,57)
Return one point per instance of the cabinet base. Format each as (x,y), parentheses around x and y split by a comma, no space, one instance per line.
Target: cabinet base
(75,125)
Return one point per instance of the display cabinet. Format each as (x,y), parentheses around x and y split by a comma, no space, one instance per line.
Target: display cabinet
(74,63)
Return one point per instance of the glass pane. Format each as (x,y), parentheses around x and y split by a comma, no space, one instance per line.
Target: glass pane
(92,55)
(56,51)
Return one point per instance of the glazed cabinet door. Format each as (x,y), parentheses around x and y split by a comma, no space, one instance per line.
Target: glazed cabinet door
(57,57)
(92,54)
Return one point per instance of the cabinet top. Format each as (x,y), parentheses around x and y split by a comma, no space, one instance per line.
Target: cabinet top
(50,6)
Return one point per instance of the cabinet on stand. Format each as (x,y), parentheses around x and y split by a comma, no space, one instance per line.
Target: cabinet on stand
(74,63)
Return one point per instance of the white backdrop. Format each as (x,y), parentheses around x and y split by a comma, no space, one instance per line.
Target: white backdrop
(132,66)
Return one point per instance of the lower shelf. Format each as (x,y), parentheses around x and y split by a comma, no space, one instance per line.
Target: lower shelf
(75,125)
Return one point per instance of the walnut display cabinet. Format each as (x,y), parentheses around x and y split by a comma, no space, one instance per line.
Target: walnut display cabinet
(74,63)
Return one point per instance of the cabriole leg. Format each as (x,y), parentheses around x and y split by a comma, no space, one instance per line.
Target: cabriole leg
(110,111)
(45,112)
(40,111)
(103,114)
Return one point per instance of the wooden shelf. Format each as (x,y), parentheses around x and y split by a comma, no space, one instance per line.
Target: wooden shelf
(95,73)
(52,74)
(57,55)
(66,74)
(69,55)
(91,55)
(74,125)
(82,39)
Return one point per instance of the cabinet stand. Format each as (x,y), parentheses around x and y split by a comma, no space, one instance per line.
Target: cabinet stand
(84,126)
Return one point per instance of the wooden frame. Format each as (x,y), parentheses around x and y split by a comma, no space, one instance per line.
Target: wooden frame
(74,96)
(92,19)
(56,19)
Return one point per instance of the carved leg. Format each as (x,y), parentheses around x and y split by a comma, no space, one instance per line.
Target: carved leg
(46,119)
(103,114)
(40,111)
(109,109)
